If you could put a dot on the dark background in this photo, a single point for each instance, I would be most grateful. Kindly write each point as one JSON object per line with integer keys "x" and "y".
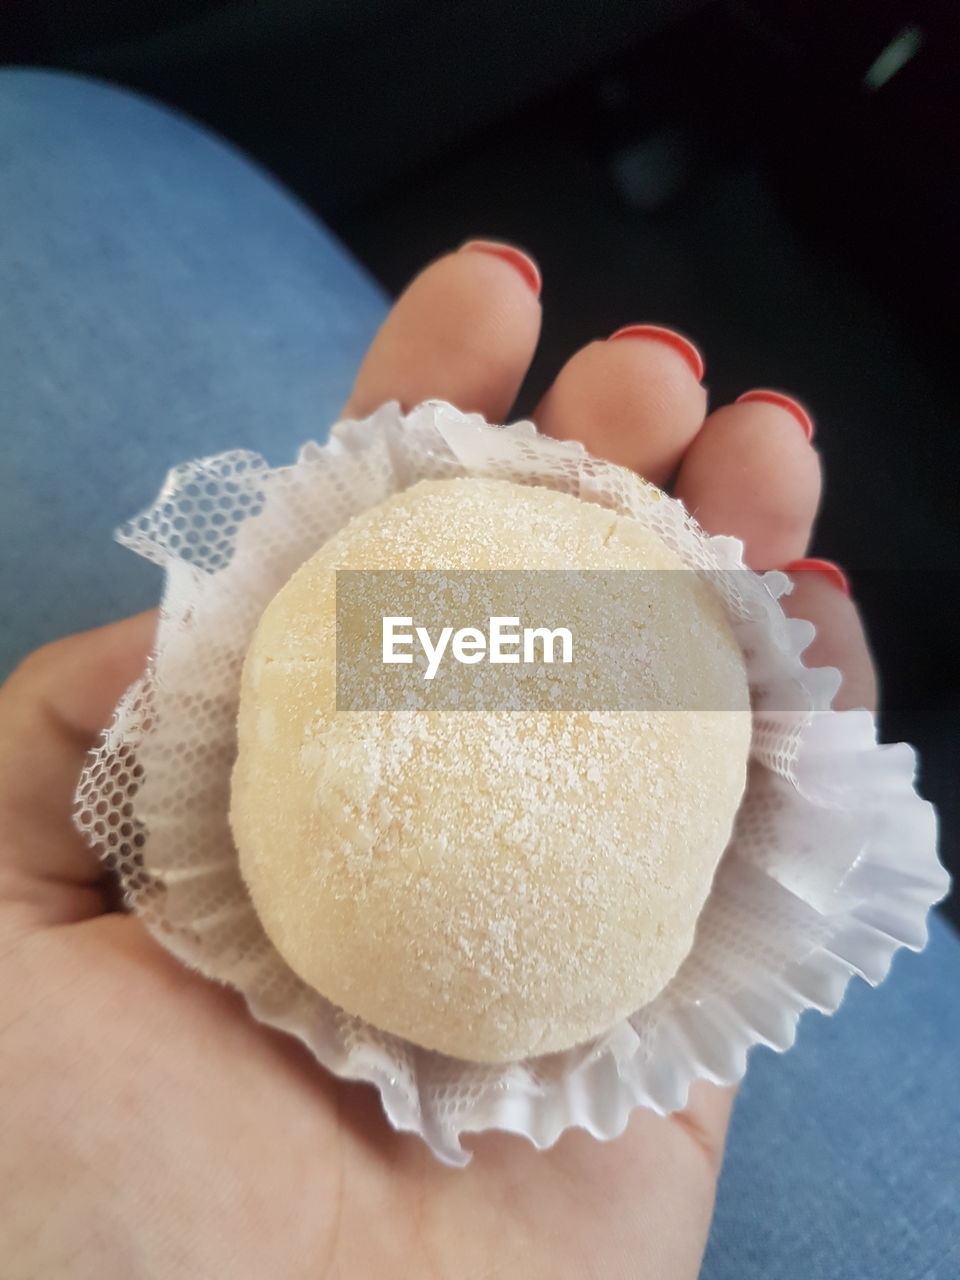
{"x": 732, "y": 169}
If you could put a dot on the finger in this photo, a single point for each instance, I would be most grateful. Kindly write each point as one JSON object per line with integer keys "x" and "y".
{"x": 52, "y": 709}
{"x": 464, "y": 331}
{"x": 821, "y": 595}
{"x": 751, "y": 472}
{"x": 635, "y": 399}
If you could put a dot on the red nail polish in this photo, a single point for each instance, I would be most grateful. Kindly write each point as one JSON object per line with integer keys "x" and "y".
{"x": 519, "y": 260}
{"x": 683, "y": 346}
{"x": 826, "y": 567}
{"x": 784, "y": 402}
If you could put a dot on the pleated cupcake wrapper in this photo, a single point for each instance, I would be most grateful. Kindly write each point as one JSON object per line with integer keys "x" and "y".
{"x": 831, "y": 868}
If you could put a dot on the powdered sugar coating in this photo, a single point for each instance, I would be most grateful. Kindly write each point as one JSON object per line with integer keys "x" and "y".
{"x": 491, "y": 884}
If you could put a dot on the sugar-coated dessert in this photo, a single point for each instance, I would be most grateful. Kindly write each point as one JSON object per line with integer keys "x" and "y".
{"x": 489, "y": 884}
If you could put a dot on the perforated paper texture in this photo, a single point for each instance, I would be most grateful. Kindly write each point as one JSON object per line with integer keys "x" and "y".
{"x": 832, "y": 865}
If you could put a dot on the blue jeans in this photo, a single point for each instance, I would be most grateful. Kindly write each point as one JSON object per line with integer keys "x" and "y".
{"x": 161, "y": 298}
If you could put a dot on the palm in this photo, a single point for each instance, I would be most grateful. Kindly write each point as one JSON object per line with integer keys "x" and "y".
{"x": 222, "y": 1143}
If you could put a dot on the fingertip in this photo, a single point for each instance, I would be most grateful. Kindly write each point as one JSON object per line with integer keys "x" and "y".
{"x": 464, "y": 330}
{"x": 840, "y": 641}
{"x": 832, "y": 572}
{"x": 764, "y": 395}
{"x": 634, "y": 401}
{"x": 752, "y": 474}
{"x": 515, "y": 257}
{"x": 677, "y": 342}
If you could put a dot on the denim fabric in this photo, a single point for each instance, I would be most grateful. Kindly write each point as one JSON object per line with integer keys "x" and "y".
{"x": 162, "y": 299}
{"x": 843, "y": 1160}
{"x": 159, "y": 300}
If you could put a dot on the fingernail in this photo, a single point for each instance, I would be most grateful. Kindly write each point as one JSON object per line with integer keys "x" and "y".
{"x": 519, "y": 260}
{"x": 826, "y": 567}
{"x": 659, "y": 334}
{"x": 785, "y": 402}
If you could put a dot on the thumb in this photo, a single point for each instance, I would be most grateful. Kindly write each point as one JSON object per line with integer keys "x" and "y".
{"x": 52, "y": 710}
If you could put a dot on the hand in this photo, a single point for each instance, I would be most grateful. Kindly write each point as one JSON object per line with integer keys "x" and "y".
{"x": 152, "y": 1129}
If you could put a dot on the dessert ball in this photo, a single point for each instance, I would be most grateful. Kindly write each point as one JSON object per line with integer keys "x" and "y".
{"x": 492, "y": 883}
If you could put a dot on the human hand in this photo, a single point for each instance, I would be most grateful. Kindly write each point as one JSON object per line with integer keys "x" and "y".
{"x": 153, "y": 1129}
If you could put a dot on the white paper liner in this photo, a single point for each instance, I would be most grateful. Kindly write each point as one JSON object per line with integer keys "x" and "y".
{"x": 831, "y": 868}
